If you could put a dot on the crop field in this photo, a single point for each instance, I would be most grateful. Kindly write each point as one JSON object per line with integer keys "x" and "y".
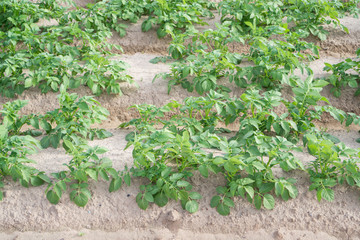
{"x": 180, "y": 119}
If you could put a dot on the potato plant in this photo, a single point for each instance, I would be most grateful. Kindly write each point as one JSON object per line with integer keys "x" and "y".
{"x": 166, "y": 17}
{"x": 179, "y": 146}
{"x": 204, "y": 57}
{"x": 71, "y": 51}
{"x": 345, "y": 73}
{"x": 69, "y": 126}
{"x": 84, "y": 166}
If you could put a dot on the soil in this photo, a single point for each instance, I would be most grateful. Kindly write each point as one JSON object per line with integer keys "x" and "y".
{"x": 25, "y": 213}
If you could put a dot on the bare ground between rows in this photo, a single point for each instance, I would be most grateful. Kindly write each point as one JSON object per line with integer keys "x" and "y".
{"x": 26, "y": 213}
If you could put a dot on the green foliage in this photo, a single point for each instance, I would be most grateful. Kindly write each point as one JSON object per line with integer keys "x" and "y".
{"x": 310, "y": 15}
{"x": 182, "y": 141}
{"x": 14, "y": 159}
{"x": 175, "y": 140}
{"x": 166, "y": 17}
{"x": 15, "y": 149}
{"x": 334, "y": 164}
{"x": 242, "y": 13}
{"x": 85, "y": 165}
{"x": 345, "y": 73}
{"x": 72, "y": 120}
{"x": 348, "y": 7}
{"x": 70, "y": 51}
{"x": 70, "y": 123}
{"x": 207, "y": 59}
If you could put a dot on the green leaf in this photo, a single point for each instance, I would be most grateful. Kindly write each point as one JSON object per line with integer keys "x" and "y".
{"x": 92, "y": 173}
{"x": 7, "y": 71}
{"x": 45, "y": 125}
{"x": 45, "y": 142}
{"x": 319, "y": 195}
{"x": 55, "y": 140}
{"x": 195, "y": 195}
{"x": 228, "y": 202}
{"x": 166, "y": 172}
{"x": 203, "y": 171}
{"x": 327, "y": 194}
{"x": 104, "y": 175}
{"x": 83, "y": 106}
{"x": 279, "y": 188}
{"x": 182, "y": 183}
{"x": 127, "y": 179}
{"x": 36, "y": 181}
{"x": 142, "y": 203}
{"x": 257, "y": 201}
{"x": 268, "y": 201}
{"x": 254, "y": 152}
{"x": 69, "y": 145}
{"x": 249, "y": 190}
{"x": 28, "y": 82}
{"x": 115, "y": 184}
{"x": 215, "y": 201}
{"x": 266, "y": 187}
{"x": 52, "y": 197}
{"x": 223, "y": 209}
{"x": 332, "y": 138}
{"x": 34, "y": 122}
{"x": 161, "y": 199}
{"x": 221, "y": 190}
{"x": 259, "y": 166}
{"x": 79, "y": 198}
{"x": 353, "y": 84}
{"x": 146, "y": 26}
{"x": 149, "y": 197}
{"x": 192, "y": 206}
{"x": 3, "y": 132}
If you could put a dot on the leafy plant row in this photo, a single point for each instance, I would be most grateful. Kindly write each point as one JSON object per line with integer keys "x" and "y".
{"x": 206, "y": 61}
{"x": 165, "y": 16}
{"x": 345, "y": 73}
{"x": 69, "y": 126}
{"x": 177, "y": 16}
{"x": 276, "y": 48}
{"x": 71, "y": 51}
{"x": 75, "y": 52}
{"x": 168, "y": 152}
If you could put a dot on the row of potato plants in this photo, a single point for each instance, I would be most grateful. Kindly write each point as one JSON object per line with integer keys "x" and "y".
{"x": 68, "y": 126}
{"x": 70, "y": 51}
{"x": 75, "y": 51}
{"x": 169, "y": 156}
{"x": 169, "y": 151}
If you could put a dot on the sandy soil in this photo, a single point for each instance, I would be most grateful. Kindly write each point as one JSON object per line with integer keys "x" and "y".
{"x": 26, "y": 213}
